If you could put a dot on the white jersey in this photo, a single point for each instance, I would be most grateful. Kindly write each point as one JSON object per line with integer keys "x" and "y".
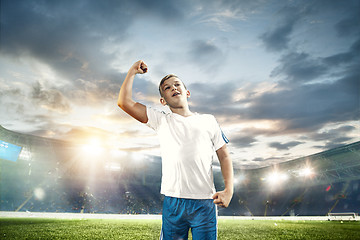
{"x": 187, "y": 148}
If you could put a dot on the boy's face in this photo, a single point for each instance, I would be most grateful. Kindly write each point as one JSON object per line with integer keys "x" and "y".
{"x": 174, "y": 93}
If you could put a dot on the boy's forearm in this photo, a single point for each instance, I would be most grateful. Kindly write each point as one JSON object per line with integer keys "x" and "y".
{"x": 125, "y": 100}
{"x": 125, "y": 94}
{"x": 228, "y": 174}
{"x": 226, "y": 168}
{"x": 223, "y": 198}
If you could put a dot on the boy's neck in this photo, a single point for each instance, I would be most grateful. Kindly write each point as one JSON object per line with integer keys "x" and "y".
{"x": 185, "y": 112}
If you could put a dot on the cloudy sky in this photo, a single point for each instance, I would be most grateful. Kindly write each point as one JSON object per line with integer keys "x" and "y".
{"x": 281, "y": 77}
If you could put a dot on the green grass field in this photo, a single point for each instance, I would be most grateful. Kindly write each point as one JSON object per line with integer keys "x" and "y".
{"x": 42, "y": 228}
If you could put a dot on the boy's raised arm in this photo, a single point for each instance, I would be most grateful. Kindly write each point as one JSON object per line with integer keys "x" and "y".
{"x": 125, "y": 100}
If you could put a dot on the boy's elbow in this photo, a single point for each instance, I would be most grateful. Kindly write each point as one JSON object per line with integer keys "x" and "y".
{"x": 124, "y": 105}
{"x": 120, "y": 104}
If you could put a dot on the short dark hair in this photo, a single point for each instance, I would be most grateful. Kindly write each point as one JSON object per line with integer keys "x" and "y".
{"x": 166, "y": 78}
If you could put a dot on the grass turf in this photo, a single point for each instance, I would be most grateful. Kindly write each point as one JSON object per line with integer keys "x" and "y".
{"x": 40, "y": 228}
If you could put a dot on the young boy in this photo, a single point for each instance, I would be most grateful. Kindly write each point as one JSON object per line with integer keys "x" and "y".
{"x": 187, "y": 141}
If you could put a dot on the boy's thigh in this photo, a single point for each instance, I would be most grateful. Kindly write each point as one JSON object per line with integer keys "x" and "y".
{"x": 174, "y": 233}
{"x": 179, "y": 215}
{"x": 203, "y": 233}
{"x": 204, "y": 222}
{"x": 171, "y": 229}
{"x": 174, "y": 221}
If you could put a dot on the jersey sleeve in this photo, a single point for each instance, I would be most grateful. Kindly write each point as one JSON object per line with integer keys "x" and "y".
{"x": 219, "y": 138}
{"x": 154, "y": 118}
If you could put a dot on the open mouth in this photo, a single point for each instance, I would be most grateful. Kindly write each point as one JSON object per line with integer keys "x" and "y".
{"x": 175, "y": 94}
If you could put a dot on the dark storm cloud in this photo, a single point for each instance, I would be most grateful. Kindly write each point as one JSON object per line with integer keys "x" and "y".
{"x": 242, "y": 141}
{"x": 278, "y": 38}
{"x": 349, "y": 57}
{"x": 66, "y": 35}
{"x": 266, "y": 161}
{"x": 204, "y": 49}
{"x": 349, "y": 25}
{"x": 47, "y": 27}
{"x": 259, "y": 159}
{"x": 69, "y": 35}
{"x": 334, "y": 142}
{"x": 332, "y": 135}
{"x": 284, "y": 146}
{"x": 273, "y": 160}
{"x": 168, "y": 11}
{"x": 305, "y": 106}
{"x": 338, "y": 142}
{"x": 299, "y": 67}
{"x": 211, "y": 98}
{"x": 306, "y": 101}
{"x": 206, "y": 55}
{"x": 309, "y": 107}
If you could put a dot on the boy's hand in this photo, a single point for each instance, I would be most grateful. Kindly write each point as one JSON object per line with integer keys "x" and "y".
{"x": 222, "y": 198}
{"x": 139, "y": 67}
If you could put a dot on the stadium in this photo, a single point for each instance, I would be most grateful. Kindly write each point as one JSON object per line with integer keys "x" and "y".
{"x": 41, "y": 175}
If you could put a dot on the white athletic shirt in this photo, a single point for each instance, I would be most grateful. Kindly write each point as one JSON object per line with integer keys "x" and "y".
{"x": 187, "y": 148}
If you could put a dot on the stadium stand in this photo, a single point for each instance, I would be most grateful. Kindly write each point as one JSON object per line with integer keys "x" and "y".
{"x": 54, "y": 176}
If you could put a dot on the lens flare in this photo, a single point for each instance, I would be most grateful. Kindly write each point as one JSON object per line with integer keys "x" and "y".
{"x": 39, "y": 194}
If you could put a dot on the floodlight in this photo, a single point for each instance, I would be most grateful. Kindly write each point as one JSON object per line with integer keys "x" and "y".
{"x": 39, "y": 193}
{"x": 276, "y": 178}
{"x": 306, "y": 172}
{"x": 239, "y": 179}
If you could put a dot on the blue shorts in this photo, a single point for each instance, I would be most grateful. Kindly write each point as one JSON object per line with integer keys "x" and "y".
{"x": 180, "y": 215}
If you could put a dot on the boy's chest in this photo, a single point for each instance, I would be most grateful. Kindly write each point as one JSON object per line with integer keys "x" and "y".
{"x": 186, "y": 130}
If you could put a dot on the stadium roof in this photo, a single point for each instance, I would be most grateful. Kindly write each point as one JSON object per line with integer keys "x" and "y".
{"x": 335, "y": 165}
